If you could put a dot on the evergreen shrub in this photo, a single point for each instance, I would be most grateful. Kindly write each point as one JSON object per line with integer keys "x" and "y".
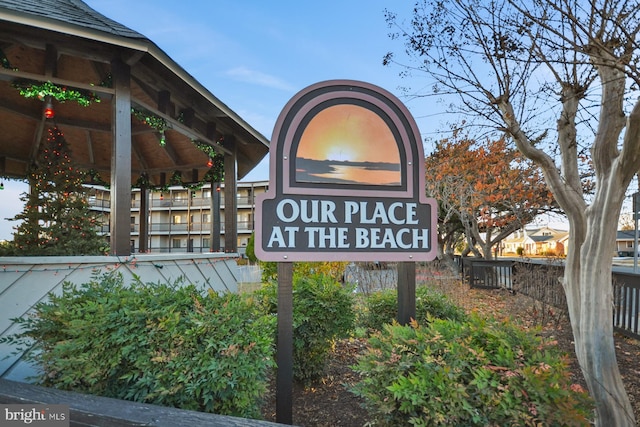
{"x": 156, "y": 343}
{"x": 381, "y": 308}
{"x": 323, "y": 311}
{"x": 468, "y": 373}
{"x": 332, "y": 269}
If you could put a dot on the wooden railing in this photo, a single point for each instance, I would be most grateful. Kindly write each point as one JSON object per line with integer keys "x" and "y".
{"x": 539, "y": 280}
{"x": 488, "y": 274}
{"x": 87, "y": 410}
{"x": 626, "y": 303}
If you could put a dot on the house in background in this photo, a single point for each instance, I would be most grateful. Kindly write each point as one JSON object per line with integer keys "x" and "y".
{"x": 625, "y": 240}
{"x": 538, "y": 242}
{"x": 546, "y": 241}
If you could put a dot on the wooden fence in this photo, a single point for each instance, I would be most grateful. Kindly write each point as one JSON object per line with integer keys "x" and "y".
{"x": 540, "y": 280}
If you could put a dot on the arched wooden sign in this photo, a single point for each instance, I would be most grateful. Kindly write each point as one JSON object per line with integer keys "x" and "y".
{"x": 346, "y": 180}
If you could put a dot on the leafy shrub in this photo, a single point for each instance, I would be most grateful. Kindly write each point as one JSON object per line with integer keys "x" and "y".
{"x": 381, "y": 308}
{"x": 250, "y": 250}
{"x": 154, "y": 343}
{"x": 322, "y": 312}
{"x": 470, "y": 373}
{"x": 333, "y": 269}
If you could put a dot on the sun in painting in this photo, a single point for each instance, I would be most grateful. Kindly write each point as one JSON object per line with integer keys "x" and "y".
{"x": 349, "y": 144}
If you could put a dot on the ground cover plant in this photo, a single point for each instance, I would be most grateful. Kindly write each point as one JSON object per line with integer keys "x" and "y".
{"x": 155, "y": 343}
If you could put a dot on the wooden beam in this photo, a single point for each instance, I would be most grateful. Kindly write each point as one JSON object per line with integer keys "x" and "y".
{"x": 139, "y": 156}
{"x": 230, "y": 196}
{"x": 164, "y": 102}
{"x": 211, "y": 131}
{"x": 181, "y": 128}
{"x": 121, "y": 161}
{"x": 29, "y": 113}
{"x": 92, "y": 159}
{"x": 11, "y": 75}
{"x": 187, "y": 117}
{"x": 37, "y": 140}
{"x": 50, "y": 61}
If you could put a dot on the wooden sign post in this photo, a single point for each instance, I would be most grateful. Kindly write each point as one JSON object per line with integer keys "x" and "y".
{"x": 284, "y": 351}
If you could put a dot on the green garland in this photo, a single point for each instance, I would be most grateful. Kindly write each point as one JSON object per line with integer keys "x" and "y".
{"x": 142, "y": 181}
{"x": 93, "y": 176}
{"x": 216, "y": 171}
{"x": 158, "y": 123}
{"x": 33, "y": 89}
{"x": 207, "y": 149}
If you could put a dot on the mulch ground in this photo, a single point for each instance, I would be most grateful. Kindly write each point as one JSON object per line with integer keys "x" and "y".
{"x": 329, "y": 403}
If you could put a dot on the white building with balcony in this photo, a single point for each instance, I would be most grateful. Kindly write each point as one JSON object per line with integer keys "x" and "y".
{"x": 184, "y": 219}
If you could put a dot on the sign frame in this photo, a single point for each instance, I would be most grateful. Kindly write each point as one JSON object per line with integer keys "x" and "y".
{"x": 302, "y": 217}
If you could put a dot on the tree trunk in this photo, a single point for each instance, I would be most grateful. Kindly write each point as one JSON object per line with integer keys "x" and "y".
{"x": 589, "y": 293}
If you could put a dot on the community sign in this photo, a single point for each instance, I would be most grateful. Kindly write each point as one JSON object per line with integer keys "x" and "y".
{"x": 346, "y": 180}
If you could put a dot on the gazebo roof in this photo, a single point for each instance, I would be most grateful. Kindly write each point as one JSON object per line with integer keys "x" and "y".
{"x": 67, "y": 43}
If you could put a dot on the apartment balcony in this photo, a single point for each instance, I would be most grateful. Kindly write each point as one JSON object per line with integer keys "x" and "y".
{"x": 99, "y": 204}
{"x": 182, "y": 203}
{"x": 183, "y": 229}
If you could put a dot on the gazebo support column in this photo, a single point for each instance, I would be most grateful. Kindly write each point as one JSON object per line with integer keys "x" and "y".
{"x": 121, "y": 160}
{"x": 230, "y": 195}
{"x": 144, "y": 220}
{"x": 214, "y": 241}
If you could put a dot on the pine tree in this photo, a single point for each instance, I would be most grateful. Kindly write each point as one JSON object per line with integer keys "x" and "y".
{"x": 56, "y": 219}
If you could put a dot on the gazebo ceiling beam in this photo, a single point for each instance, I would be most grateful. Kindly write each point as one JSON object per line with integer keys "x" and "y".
{"x": 134, "y": 171}
{"x": 12, "y": 75}
{"x": 37, "y": 139}
{"x": 138, "y": 154}
{"x": 92, "y": 158}
{"x": 168, "y": 148}
{"x": 50, "y": 61}
{"x": 37, "y": 116}
{"x": 181, "y": 128}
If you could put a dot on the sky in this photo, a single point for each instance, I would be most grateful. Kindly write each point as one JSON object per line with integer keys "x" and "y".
{"x": 255, "y": 55}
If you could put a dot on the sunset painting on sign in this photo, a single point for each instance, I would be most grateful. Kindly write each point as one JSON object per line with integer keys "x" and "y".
{"x": 348, "y": 144}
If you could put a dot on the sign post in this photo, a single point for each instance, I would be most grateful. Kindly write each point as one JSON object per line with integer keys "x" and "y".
{"x": 346, "y": 183}
{"x": 284, "y": 354}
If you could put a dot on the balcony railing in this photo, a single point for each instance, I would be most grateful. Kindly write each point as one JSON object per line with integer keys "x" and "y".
{"x": 182, "y": 203}
{"x": 182, "y": 228}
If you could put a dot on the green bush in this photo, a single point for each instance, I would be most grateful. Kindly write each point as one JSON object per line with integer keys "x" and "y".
{"x": 381, "y": 308}
{"x": 250, "y": 250}
{"x": 322, "y": 312}
{"x": 154, "y": 343}
{"x": 470, "y": 373}
{"x": 332, "y": 269}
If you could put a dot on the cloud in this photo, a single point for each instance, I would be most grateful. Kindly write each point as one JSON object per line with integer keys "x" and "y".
{"x": 247, "y": 75}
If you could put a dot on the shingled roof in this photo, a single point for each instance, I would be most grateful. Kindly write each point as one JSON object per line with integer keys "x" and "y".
{"x": 74, "y": 12}
{"x": 70, "y": 44}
